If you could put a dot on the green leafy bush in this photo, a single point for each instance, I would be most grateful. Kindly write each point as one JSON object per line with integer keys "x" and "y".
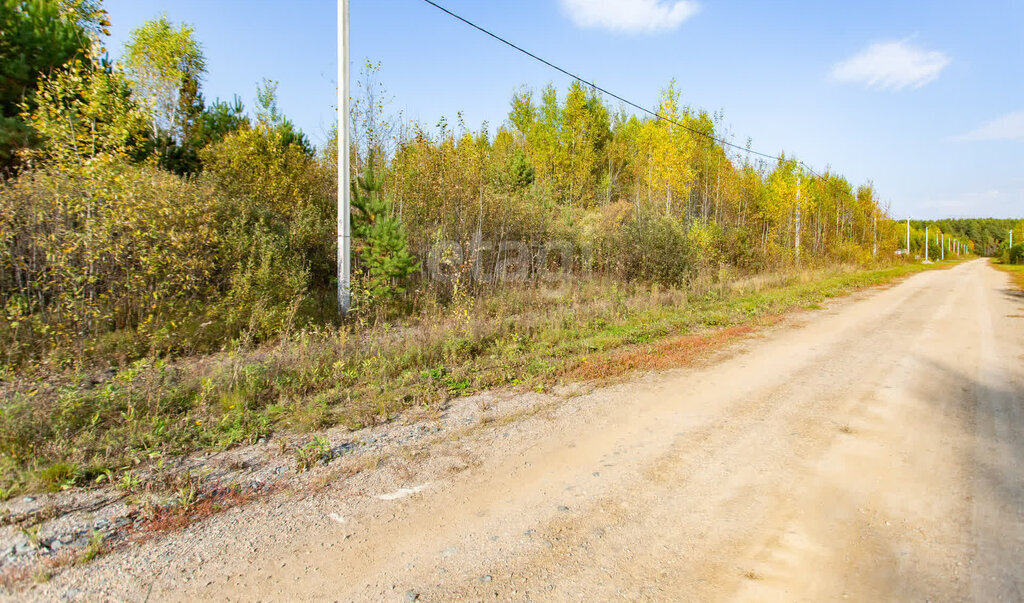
{"x": 1015, "y": 254}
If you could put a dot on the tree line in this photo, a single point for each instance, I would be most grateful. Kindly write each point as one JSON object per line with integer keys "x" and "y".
{"x": 139, "y": 217}
{"x": 989, "y": 236}
{"x": 637, "y": 197}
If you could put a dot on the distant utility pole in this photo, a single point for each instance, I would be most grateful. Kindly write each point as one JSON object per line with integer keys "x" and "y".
{"x": 926, "y": 243}
{"x": 344, "y": 224}
{"x": 874, "y": 234}
{"x": 943, "y": 247}
{"x": 908, "y": 237}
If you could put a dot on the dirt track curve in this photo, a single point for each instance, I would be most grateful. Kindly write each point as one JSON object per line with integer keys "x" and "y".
{"x": 871, "y": 451}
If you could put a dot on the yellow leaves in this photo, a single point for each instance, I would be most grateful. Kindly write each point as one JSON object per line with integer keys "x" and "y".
{"x": 126, "y": 243}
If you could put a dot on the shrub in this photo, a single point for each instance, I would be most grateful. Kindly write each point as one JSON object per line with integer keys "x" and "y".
{"x": 267, "y": 285}
{"x": 278, "y": 229}
{"x": 104, "y": 248}
{"x": 647, "y": 245}
{"x": 118, "y": 260}
{"x": 1015, "y": 255}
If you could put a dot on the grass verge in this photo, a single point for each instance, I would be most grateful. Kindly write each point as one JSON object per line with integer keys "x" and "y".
{"x": 62, "y": 431}
{"x": 1016, "y": 272}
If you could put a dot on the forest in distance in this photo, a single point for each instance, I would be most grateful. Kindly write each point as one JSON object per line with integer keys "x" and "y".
{"x": 141, "y": 222}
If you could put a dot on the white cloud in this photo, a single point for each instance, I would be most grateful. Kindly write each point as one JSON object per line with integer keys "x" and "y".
{"x": 892, "y": 65}
{"x": 1004, "y": 127}
{"x": 630, "y": 16}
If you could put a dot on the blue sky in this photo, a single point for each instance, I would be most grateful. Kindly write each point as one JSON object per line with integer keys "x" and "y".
{"x": 925, "y": 99}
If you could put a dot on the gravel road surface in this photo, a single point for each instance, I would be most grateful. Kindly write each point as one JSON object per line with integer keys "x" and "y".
{"x": 873, "y": 450}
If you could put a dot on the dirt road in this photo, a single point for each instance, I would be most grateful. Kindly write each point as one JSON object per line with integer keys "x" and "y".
{"x": 871, "y": 451}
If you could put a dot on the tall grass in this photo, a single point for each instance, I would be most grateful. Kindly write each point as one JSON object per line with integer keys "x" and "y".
{"x": 77, "y": 428}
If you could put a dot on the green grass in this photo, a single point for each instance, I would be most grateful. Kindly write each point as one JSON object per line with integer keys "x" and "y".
{"x": 1016, "y": 273}
{"x": 62, "y": 430}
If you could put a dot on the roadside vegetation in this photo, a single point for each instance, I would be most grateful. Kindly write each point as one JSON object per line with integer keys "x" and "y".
{"x": 1011, "y": 256}
{"x": 167, "y": 262}
{"x": 77, "y": 429}
{"x": 1016, "y": 273}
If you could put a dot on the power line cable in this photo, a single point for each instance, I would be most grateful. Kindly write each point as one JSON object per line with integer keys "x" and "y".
{"x": 626, "y": 101}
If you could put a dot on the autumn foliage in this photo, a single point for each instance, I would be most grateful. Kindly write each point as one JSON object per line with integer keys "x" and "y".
{"x": 143, "y": 220}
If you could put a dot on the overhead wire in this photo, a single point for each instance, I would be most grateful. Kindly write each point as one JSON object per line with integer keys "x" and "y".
{"x": 609, "y": 93}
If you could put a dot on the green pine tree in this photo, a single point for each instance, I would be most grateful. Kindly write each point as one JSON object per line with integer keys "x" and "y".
{"x": 382, "y": 246}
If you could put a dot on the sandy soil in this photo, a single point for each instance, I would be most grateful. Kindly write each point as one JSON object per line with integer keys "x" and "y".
{"x": 871, "y": 451}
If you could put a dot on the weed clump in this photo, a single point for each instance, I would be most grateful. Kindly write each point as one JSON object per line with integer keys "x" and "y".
{"x": 316, "y": 452}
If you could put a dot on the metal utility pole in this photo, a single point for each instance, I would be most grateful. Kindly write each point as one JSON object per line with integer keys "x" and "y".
{"x": 926, "y": 243}
{"x": 344, "y": 223}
